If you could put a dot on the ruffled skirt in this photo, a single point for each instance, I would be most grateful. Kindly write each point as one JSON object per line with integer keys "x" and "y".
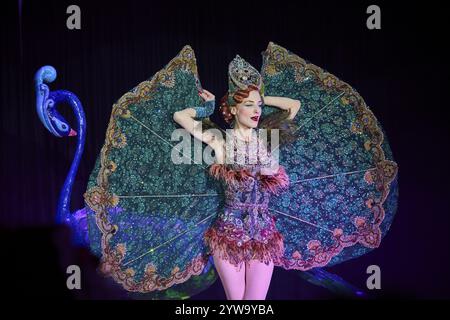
{"x": 238, "y": 238}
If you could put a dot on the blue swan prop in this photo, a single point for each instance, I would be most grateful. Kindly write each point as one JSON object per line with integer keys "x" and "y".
{"x": 46, "y": 103}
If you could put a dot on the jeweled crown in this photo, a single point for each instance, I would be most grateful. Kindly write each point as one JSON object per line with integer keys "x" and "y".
{"x": 241, "y": 74}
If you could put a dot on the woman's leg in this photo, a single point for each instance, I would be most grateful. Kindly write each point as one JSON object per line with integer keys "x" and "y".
{"x": 258, "y": 276}
{"x": 233, "y": 278}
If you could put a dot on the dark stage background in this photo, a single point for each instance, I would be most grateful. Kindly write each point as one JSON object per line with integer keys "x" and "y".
{"x": 400, "y": 70}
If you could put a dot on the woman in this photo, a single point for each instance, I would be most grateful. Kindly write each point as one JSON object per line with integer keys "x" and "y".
{"x": 244, "y": 262}
{"x": 159, "y": 225}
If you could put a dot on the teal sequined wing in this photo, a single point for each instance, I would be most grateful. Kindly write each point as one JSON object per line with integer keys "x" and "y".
{"x": 150, "y": 213}
{"x": 343, "y": 192}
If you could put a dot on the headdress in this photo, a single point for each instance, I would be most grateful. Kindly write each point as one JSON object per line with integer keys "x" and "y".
{"x": 241, "y": 74}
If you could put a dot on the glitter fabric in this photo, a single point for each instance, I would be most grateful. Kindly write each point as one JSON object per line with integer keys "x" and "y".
{"x": 150, "y": 219}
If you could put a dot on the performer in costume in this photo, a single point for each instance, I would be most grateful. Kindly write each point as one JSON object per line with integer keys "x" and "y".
{"x": 244, "y": 239}
{"x": 159, "y": 226}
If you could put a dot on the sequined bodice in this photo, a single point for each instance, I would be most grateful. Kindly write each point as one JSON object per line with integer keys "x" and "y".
{"x": 241, "y": 154}
{"x": 248, "y": 189}
{"x": 242, "y": 177}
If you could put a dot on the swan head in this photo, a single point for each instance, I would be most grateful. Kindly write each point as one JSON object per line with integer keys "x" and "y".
{"x": 59, "y": 125}
{"x": 46, "y": 106}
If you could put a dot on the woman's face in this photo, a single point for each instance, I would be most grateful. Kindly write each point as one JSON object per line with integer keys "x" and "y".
{"x": 248, "y": 112}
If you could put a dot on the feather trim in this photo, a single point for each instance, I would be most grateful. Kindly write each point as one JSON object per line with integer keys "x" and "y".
{"x": 275, "y": 183}
{"x": 230, "y": 176}
{"x": 229, "y": 250}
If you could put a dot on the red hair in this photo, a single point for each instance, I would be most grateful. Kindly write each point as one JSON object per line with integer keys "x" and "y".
{"x": 275, "y": 120}
{"x": 238, "y": 97}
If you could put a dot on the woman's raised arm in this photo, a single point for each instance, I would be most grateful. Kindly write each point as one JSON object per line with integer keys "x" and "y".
{"x": 185, "y": 118}
{"x": 284, "y": 103}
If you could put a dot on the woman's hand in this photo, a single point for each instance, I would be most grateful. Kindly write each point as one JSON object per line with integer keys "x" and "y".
{"x": 293, "y": 106}
{"x": 206, "y": 95}
{"x": 185, "y": 118}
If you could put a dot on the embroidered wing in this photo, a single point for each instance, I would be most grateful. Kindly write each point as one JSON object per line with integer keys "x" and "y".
{"x": 343, "y": 179}
{"x": 149, "y": 213}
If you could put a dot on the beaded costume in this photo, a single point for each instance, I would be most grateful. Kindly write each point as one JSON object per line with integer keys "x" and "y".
{"x": 154, "y": 223}
{"x": 245, "y": 229}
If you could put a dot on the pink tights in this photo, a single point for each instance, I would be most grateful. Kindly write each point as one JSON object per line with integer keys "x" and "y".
{"x": 250, "y": 282}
